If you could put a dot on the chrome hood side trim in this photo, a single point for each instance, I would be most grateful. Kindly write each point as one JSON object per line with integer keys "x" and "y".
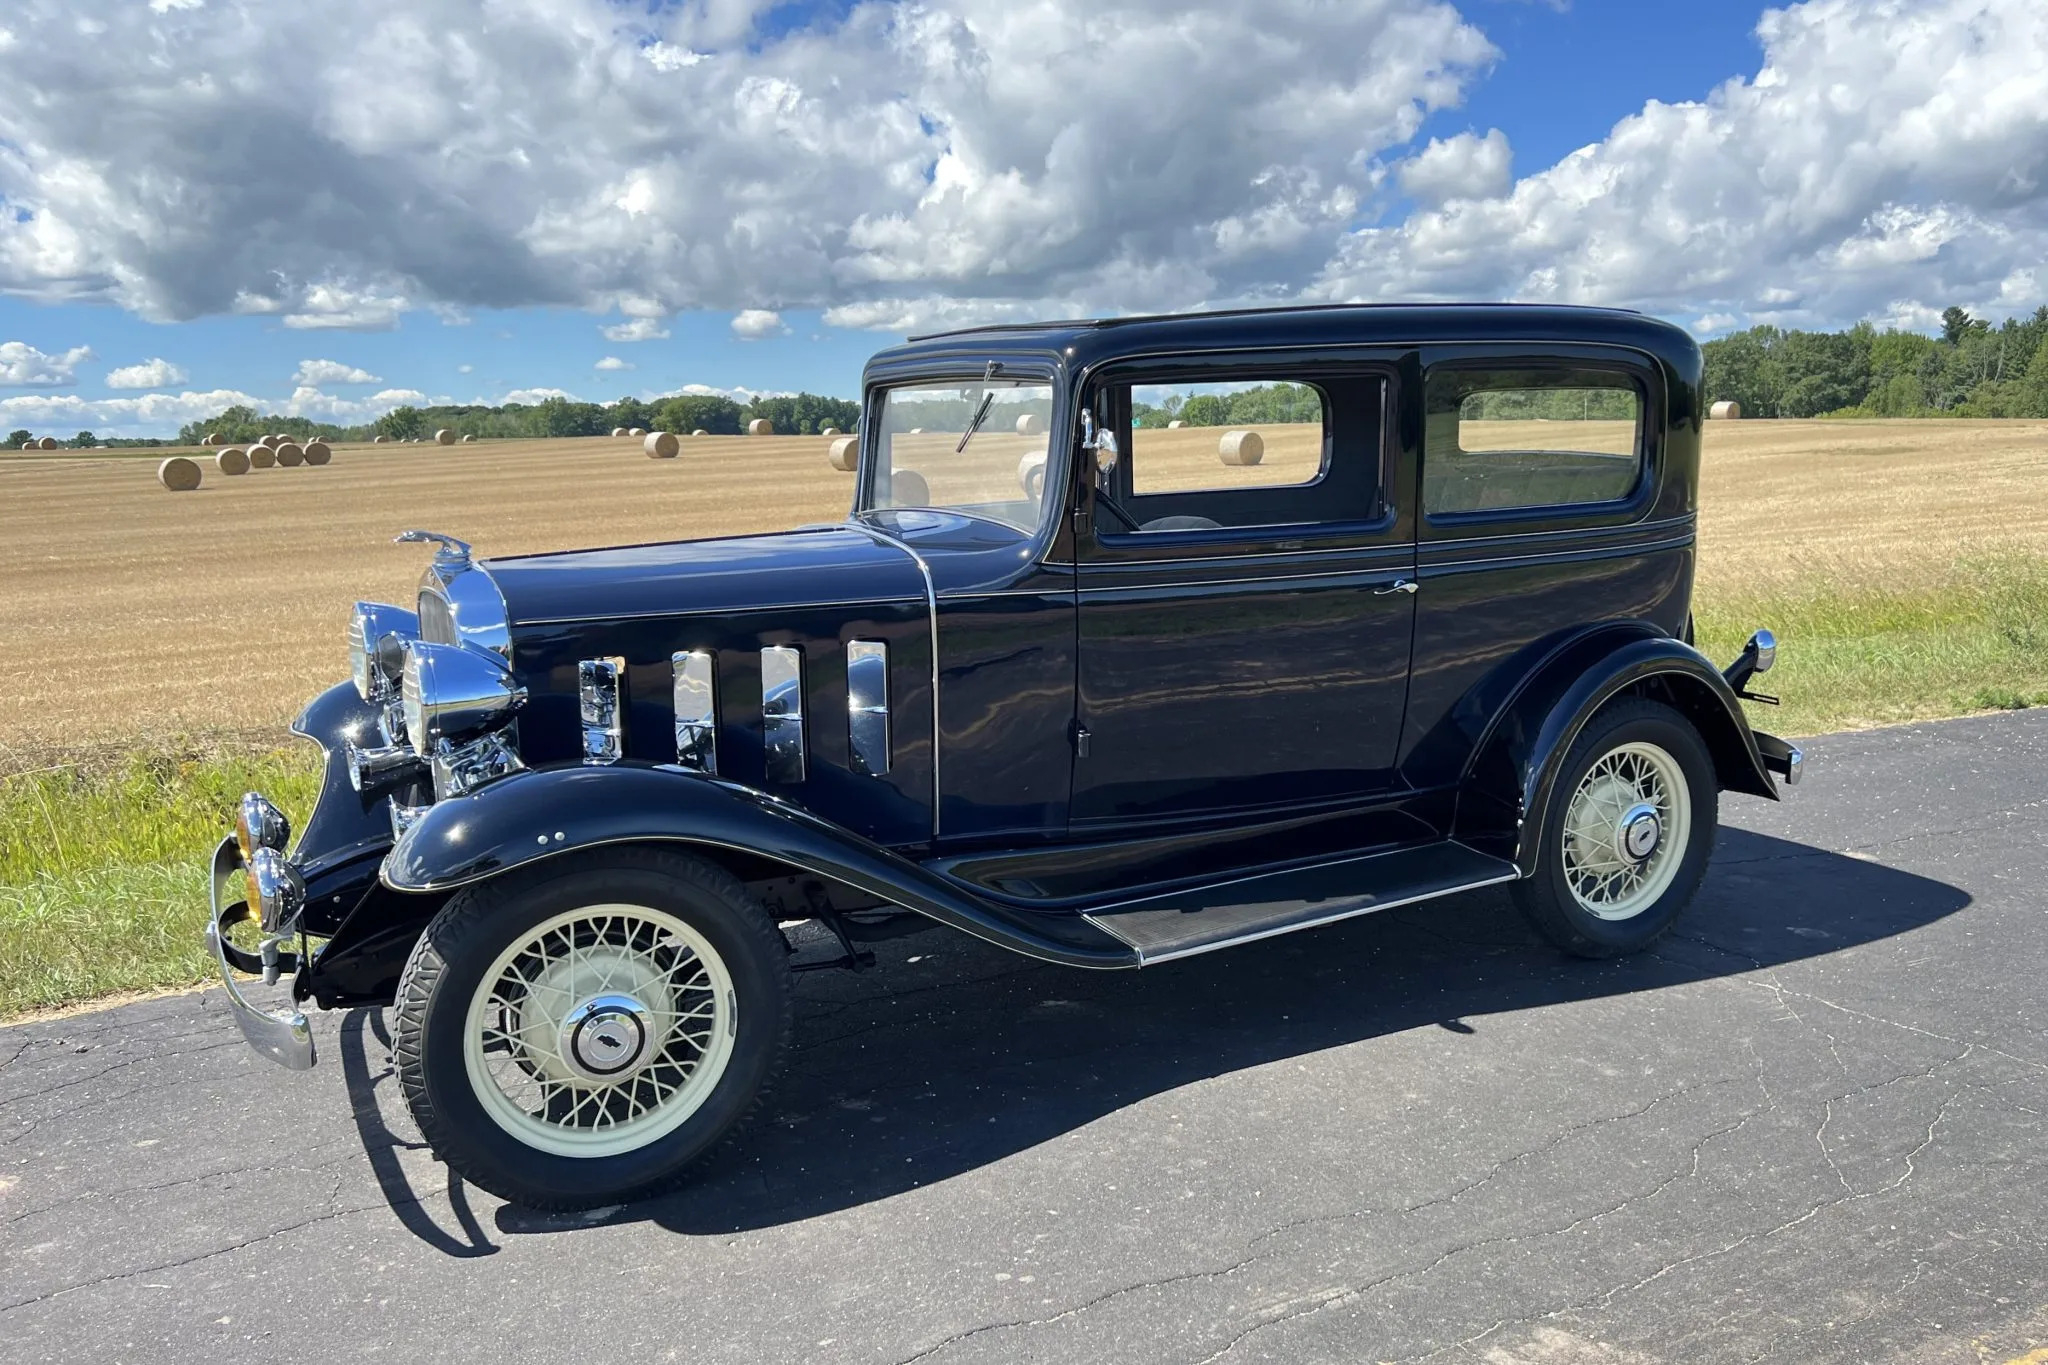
{"x": 931, "y": 602}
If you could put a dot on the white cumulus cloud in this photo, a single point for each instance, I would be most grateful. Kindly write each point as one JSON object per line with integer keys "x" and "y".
{"x": 529, "y": 397}
{"x": 312, "y": 373}
{"x": 22, "y": 365}
{"x": 1461, "y": 167}
{"x": 758, "y": 324}
{"x": 155, "y": 373}
{"x": 1890, "y": 158}
{"x": 574, "y": 152}
{"x": 612, "y": 362}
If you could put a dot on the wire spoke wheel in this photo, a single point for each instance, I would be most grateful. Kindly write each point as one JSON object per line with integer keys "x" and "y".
{"x": 1626, "y": 830}
{"x": 600, "y": 1030}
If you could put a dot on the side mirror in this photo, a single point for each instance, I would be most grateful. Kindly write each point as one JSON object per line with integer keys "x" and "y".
{"x": 1102, "y": 441}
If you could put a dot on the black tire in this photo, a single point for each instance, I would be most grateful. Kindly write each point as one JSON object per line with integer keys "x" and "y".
{"x": 1547, "y": 897}
{"x": 478, "y": 924}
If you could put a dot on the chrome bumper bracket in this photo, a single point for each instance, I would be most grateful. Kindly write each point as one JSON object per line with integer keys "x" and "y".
{"x": 282, "y": 1035}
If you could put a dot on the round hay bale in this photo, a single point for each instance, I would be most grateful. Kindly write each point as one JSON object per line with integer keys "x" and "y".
{"x": 378, "y": 440}
{"x": 261, "y": 456}
{"x": 915, "y": 431}
{"x": 845, "y": 453}
{"x": 618, "y": 431}
{"x": 290, "y": 454}
{"x": 178, "y": 474}
{"x": 1175, "y": 425}
{"x": 1241, "y": 447}
{"x": 829, "y": 431}
{"x": 212, "y": 440}
{"x": 636, "y": 432}
{"x": 444, "y": 437}
{"x": 1030, "y": 424}
{"x": 1727, "y": 410}
{"x": 469, "y": 440}
{"x": 700, "y": 432}
{"x": 232, "y": 460}
{"x": 1031, "y": 473}
{"x": 760, "y": 426}
{"x": 47, "y": 443}
{"x": 30, "y": 444}
{"x": 659, "y": 445}
{"x": 318, "y": 452}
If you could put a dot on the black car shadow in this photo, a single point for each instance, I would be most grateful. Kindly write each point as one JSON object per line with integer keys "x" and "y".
{"x": 951, "y": 1055}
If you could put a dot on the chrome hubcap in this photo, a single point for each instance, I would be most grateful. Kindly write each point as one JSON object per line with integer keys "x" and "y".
{"x": 607, "y": 1035}
{"x": 1639, "y": 832}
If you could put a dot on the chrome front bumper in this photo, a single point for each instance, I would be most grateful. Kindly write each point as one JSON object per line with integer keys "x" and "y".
{"x": 282, "y": 1035}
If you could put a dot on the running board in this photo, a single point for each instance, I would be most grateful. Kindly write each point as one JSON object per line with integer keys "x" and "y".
{"x": 1196, "y": 920}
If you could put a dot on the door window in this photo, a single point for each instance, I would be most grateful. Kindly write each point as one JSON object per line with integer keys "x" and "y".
{"x": 1253, "y": 450}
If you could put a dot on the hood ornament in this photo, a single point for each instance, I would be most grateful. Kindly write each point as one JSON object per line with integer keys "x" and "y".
{"x": 450, "y": 554}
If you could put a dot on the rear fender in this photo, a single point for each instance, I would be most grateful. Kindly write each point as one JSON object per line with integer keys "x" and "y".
{"x": 532, "y": 816}
{"x": 1508, "y": 786}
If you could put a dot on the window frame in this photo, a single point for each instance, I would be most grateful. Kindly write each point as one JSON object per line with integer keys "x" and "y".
{"x": 1642, "y": 375}
{"x": 1319, "y": 368}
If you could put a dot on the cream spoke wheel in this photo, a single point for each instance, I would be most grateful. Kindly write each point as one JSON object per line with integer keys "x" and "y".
{"x": 1626, "y": 830}
{"x": 600, "y": 1030}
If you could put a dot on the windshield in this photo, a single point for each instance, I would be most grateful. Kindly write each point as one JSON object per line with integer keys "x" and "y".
{"x": 998, "y": 473}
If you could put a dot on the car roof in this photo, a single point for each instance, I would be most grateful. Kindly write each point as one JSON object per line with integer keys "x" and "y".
{"x": 1084, "y": 341}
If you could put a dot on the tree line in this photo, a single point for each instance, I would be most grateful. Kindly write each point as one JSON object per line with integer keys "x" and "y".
{"x": 799, "y": 414}
{"x": 1971, "y": 370}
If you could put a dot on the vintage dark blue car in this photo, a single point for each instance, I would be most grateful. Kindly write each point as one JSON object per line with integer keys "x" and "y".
{"x": 1144, "y": 637}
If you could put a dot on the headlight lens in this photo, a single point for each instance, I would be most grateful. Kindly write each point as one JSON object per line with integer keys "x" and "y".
{"x": 371, "y": 663}
{"x": 453, "y": 693}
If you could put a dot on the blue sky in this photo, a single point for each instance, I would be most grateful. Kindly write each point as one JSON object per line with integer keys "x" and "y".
{"x": 754, "y": 196}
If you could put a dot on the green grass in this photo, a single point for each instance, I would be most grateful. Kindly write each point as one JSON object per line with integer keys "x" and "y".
{"x": 1853, "y": 655}
{"x": 103, "y": 871}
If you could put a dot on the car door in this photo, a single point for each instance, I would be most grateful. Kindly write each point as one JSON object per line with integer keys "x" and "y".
{"x": 1246, "y": 591}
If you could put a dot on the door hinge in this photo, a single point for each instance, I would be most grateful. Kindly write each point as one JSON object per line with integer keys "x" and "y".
{"x": 1081, "y": 738}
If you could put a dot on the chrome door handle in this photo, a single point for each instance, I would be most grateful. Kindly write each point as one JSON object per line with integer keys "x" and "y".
{"x": 1399, "y": 585}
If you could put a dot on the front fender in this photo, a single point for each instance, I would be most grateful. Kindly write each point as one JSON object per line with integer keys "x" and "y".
{"x": 530, "y": 816}
{"x": 347, "y": 834}
{"x": 1515, "y": 768}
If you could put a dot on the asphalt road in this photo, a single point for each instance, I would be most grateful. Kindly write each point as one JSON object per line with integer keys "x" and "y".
{"x": 1807, "y": 1128}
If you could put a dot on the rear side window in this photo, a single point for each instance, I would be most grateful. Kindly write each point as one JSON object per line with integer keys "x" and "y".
{"x": 1504, "y": 439}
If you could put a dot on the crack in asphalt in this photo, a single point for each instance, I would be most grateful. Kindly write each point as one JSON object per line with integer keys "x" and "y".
{"x": 1555, "y": 1141}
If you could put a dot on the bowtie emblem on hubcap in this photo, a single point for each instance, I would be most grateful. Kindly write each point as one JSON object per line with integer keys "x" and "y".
{"x": 1639, "y": 832}
{"x": 607, "y": 1035}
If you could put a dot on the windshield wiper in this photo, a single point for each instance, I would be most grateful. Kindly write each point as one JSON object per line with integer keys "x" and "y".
{"x": 988, "y": 399}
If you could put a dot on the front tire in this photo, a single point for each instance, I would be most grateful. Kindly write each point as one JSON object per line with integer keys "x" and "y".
{"x": 1627, "y": 833}
{"x": 585, "y": 1032}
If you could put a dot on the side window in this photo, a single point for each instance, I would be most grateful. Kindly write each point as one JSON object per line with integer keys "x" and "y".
{"x": 1190, "y": 438}
{"x": 1258, "y": 449}
{"x": 1501, "y": 439}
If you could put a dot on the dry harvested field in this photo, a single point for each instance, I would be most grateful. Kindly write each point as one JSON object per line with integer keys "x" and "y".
{"x": 131, "y": 614}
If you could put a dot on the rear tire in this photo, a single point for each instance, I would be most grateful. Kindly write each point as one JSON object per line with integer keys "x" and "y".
{"x": 1627, "y": 834}
{"x": 585, "y": 1032}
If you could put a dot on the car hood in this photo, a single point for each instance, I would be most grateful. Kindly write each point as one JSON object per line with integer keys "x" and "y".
{"x": 810, "y": 567}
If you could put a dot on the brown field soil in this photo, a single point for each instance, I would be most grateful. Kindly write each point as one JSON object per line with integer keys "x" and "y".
{"x": 132, "y": 616}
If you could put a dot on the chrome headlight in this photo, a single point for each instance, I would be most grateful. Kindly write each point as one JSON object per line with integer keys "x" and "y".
{"x": 375, "y": 633}
{"x": 277, "y": 892}
{"x": 453, "y": 693}
{"x": 259, "y": 825}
